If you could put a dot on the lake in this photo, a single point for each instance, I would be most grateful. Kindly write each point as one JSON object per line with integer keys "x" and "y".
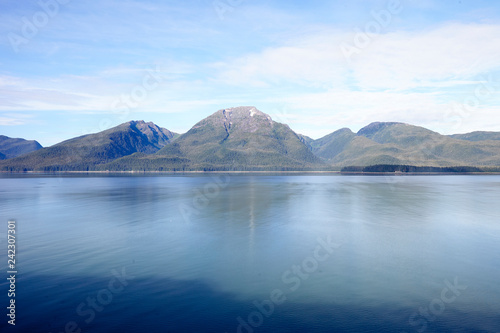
{"x": 252, "y": 253}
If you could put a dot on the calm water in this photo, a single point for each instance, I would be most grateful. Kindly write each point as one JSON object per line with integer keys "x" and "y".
{"x": 253, "y": 253}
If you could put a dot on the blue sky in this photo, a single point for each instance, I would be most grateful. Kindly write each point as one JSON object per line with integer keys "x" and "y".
{"x": 71, "y": 67}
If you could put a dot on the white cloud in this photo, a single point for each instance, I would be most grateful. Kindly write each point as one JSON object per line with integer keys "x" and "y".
{"x": 413, "y": 77}
{"x": 396, "y": 60}
{"x": 14, "y": 119}
{"x": 4, "y": 121}
{"x": 316, "y": 62}
{"x": 331, "y": 110}
{"x": 406, "y": 60}
{"x": 409, "y": 76}
{"x": 95, "y": 92}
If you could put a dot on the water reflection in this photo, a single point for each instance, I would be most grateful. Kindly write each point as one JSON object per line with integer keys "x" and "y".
{"x": 401, "y": 240}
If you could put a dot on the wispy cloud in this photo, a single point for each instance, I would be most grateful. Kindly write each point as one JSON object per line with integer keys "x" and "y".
{"x": 14, "y": 119}
{"x": 445, "y": 56}
{"x": 266, "y": 54}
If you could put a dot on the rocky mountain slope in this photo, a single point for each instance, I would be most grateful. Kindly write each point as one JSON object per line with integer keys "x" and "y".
{"x": 241, "y": 138}
{"x": 88, "y": 151}
{"x": 13, "y": 147}
{"x": 246, "y": 139}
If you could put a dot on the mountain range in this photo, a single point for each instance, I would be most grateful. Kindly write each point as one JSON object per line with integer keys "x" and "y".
{"x": 246, "y": 139}
{"x": 87, "y": 152}
{"x": 13, "y": 147}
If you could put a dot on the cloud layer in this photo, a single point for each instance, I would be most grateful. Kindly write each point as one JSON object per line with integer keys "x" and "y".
{"x": 442, "y": 74}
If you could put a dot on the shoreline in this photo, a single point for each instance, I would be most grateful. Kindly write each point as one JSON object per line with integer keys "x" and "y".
{"x": 157, "y": 172}
{"x": 344, "y": 173}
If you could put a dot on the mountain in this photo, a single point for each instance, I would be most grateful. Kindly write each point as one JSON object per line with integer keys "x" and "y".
{"x": 332, "y": 144}
{"x": 399, "y": 143}
{"x": 306, "y": 140}
{"x": 477, "y": 136}
{"x": 246, "y": 139}
{"x": 11, "y": 147}
{"x": 86, "y": 152}
{"x": 240, "y": 138}
{"x": 400, "y": 134}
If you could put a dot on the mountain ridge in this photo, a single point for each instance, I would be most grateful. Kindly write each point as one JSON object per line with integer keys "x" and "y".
{"x": 87, "y": 151}
{"x": 405, "y": 144}
{"x": 242, "y": 138}
{"x": 246, "y": 139}
{"x": 13, "y": 147}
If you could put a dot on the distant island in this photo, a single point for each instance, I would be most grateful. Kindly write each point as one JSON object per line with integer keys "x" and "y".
{"x": 246, "y": 139}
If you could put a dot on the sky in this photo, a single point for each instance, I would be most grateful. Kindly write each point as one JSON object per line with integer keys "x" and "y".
{"x": 69, "y": 67}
